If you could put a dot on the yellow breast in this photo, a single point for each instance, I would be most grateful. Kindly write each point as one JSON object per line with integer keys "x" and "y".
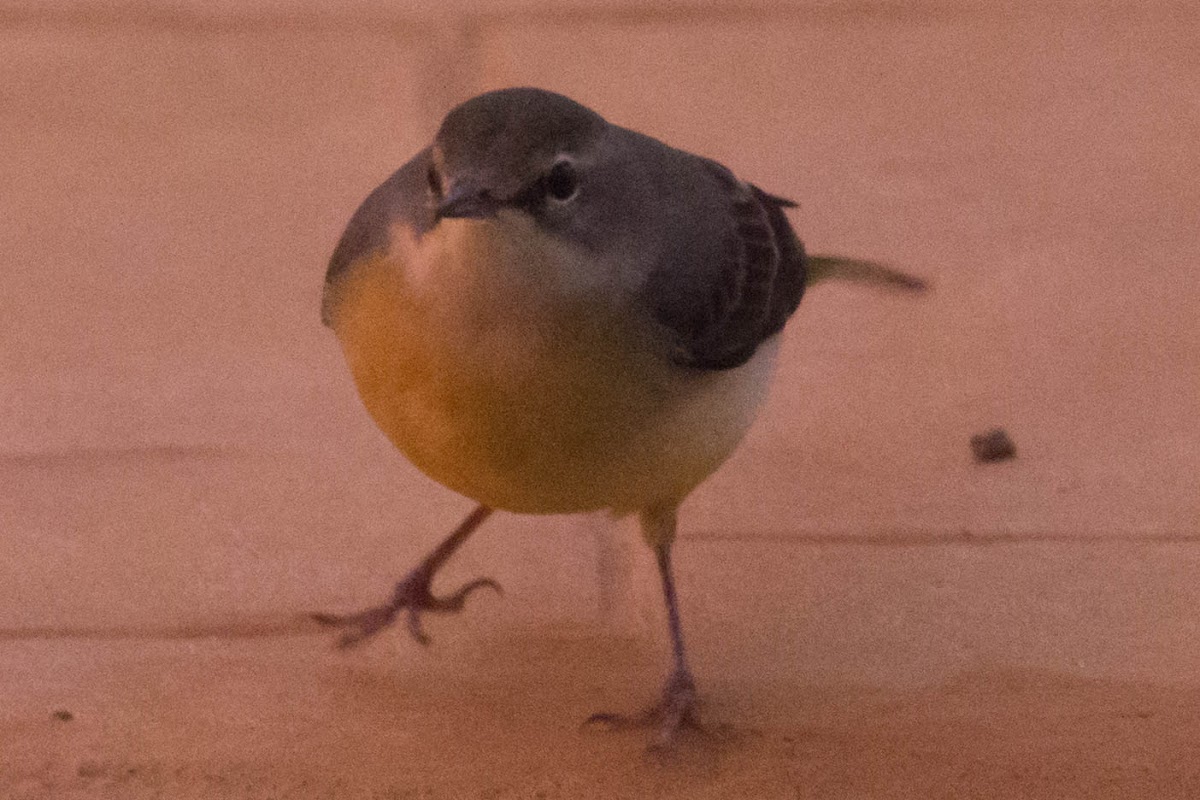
{"x": 499, "y": 378}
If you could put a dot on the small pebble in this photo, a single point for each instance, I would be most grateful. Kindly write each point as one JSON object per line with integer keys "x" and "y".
{"x": 62, "y": 715}
{"x": 995, "y": 445}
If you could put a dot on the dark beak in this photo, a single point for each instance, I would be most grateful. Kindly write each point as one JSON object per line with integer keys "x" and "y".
{"x": 467, "y": 202}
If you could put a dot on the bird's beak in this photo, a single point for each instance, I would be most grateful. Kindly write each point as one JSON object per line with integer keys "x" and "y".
{"x": 464, "y": 201}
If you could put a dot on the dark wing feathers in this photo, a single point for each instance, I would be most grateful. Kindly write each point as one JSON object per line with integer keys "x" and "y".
{"x": 791, "y": 275}
{"x": 747, "y": 294}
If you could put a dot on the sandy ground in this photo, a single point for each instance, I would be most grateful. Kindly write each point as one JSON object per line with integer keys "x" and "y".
{"x": 287, "y": 718}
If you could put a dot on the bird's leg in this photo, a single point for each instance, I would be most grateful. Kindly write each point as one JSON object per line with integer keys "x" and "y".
{"x": 677, "y": 708}
{"x": 679, "y": 701}
{"x": 413, "y": 592}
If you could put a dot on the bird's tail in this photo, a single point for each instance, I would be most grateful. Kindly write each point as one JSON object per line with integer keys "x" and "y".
{"x": 828, "y": 268}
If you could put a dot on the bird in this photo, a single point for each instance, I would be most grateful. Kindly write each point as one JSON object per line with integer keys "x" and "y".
{"x": 549, "y": 313}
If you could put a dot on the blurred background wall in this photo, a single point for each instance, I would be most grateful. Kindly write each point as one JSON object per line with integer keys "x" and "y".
{"x": 179, "y": 438}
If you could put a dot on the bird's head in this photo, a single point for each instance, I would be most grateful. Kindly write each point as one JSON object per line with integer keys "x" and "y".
{"x": 532, "y": 152}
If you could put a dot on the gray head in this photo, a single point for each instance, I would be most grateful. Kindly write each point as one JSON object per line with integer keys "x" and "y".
{"x": 534, "y": 152}
{"x": 527, "y": 151}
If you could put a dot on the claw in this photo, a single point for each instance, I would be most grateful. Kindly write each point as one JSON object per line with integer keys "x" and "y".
{"x": 456, "y": 599}
{"x": 412, "y": 594}
{"x": 675, "y": 712}
{"x": 414, "y": 628}
{"x": 360, "y": 626}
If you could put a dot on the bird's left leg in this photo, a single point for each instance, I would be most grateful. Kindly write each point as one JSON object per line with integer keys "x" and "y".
{"x": 677, "y": 709}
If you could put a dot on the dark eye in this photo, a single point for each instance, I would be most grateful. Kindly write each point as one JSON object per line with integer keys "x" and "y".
{"x": 561, "y": 182}
{"x": 435, "y": 181}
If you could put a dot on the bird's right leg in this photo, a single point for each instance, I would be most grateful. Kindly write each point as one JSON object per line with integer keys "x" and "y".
{"x": 677, "y": 709}
{"x": 414, "y": 593}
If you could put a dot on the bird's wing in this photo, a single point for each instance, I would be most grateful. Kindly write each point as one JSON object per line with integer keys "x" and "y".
{"x": 402, "y": 199}
{"x": 738, "y": 277}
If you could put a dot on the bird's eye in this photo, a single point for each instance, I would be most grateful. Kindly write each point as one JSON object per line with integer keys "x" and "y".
{"x": 562, "y": 183}
{"x": 435, "y": 181}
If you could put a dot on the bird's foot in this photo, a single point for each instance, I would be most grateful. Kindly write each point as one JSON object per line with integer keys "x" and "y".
{"x": 412, "y": 594}
{"x": 677, "y": 711}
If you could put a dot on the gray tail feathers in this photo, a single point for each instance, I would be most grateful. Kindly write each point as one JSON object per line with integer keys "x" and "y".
{"x": 829, "y": 268}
